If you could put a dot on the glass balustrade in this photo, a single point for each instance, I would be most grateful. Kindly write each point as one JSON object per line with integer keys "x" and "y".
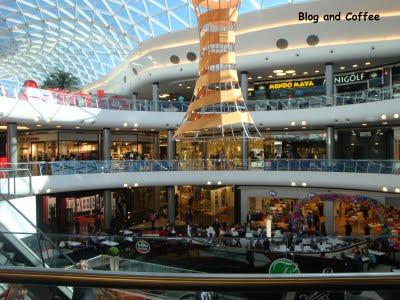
{"x": 121, "y": 103}
{"x": 120, "y": 166}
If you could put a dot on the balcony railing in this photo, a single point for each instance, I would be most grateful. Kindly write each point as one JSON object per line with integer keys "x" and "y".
{"x": 121, "y": 166}
{"x": 121, "y": 103}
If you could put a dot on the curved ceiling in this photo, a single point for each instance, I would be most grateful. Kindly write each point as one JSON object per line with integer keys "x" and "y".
{"x": 86, "y": 37}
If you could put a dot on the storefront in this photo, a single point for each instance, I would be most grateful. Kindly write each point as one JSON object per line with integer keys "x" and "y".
{"x": 288, "y": 89}
{"x": 369, "y": 143}
{"x": 396, "y": 143}
{"x": 315, "y": 86}
{"x": 50, "y": 145}
{"x": 358, "y": 81}
{"x": 131, "y": 146}
{"x": 205, "y": 205}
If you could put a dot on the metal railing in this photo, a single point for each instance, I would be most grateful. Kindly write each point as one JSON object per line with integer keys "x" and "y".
{"x": 9, "y": 177}
{"x": 200, "y": 282}
{"x": 122, "y": 103}
{"x": 69, "y": 167}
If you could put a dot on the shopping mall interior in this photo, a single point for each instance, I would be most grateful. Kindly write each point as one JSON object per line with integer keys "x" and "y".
{"x": 200, "y": 149}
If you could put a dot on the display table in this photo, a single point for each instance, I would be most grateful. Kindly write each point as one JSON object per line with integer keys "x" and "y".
{"x": 110, "y": 243}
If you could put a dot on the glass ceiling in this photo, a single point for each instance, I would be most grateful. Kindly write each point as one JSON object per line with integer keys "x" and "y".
{"x": 86, "y": 37}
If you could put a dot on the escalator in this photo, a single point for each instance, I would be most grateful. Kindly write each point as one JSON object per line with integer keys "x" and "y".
{"x": 23, "y": 244}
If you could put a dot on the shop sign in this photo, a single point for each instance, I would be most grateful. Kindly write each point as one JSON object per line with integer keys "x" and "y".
{"x": 357, "y": 77}
{"x": 142, "y": 247}
{"x": 292, "y": 85}
{"x": 273, "y": 194}
{"x": 284, "y": 266}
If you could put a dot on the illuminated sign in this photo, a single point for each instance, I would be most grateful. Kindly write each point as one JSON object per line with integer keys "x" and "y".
{"x": 292, "y": 84}
{"x": 357, "y": 77}
{"x": 142, "y": 247}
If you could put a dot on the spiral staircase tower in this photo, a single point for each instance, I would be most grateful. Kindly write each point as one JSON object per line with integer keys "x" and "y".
{"x": 218, "y": 108}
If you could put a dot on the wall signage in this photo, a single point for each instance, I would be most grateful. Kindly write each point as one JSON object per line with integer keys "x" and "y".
{"x": 292, "y": 84}
{"x": 357, "y": 77}
{"x": 142, "y": 247}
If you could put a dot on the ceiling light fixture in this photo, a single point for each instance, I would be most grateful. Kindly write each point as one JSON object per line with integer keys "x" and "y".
{"x": 364, "y": 124}
{"x": 396, "y": 115}
{"x": 316, "y": 71}
{"x": 303, "y": 123}
{"x": 367, "y": 63}
{"x": 136, "y": 184}
{"x": 281, "y": 74}
{"x": 293, "y": 183}
{"x": 136, "y": 125}
{"x": 304, "y": 184}
{"x": 290, "y": 71}
{"x": 355, "y": 66}
{"x": 305, "y": 73}
{"x": 208, "y": 182}
{"x": 383, "y": 117}
{"x": 219, "y": 182}
{"x": 397, "y": 190}
{"x": 293, "y": 123}
{"x": 342, "y": 68}
{"x": 125, "y": 185}
{"x": 125, "y": 124}
{"x": 385, "y": 189}
{"x": 277, "y": 71}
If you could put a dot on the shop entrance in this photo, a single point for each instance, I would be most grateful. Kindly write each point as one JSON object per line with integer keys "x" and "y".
{"x": 352, "y": 87}
{"x": 37, "y": 150}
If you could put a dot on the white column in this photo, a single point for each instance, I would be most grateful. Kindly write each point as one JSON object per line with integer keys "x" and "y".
{"x": 329, "y": 83}
{"x": 155, "y": 96}
{"x": 12, "y": 144}
{"x": 330, "y": 142}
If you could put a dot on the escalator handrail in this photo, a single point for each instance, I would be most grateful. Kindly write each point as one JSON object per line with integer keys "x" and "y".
{"x": 199, "y": 281}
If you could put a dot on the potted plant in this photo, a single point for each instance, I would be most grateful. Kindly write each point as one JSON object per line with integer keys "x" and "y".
{"x": 114, "y": 258}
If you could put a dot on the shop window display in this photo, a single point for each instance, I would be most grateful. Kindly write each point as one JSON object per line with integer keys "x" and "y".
{"x": 205, "y": 206}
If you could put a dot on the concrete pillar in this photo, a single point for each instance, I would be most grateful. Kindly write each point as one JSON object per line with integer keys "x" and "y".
{"x": 107, "y": 210}
{"x": 244, "y": 84}
{"x": 106, "y": 144}
{"x": 107, "y": 193}
{"x": 329, "y": 216}
{"x": 387, "y": 77}
{"x": 330, "y": 142}
{"x": 245, "y": 151}
{"x": 155, "y": 96}
{"x": 156, "y": 155}
{"x": 171, "y": 204}
{"x": 12, "y": 143}
{"x": 329, "y": 83}
{"x": 171, "y": 144}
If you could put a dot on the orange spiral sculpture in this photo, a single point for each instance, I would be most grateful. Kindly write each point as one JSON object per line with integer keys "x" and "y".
{"x": 218, "y": 107}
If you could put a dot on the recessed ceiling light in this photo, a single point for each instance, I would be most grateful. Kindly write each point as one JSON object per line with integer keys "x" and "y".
{"x": 281, "y": 74}
{"x": 37, "y": 119}
{"x": 38, "y": 125}
{"x": 219, "y": 182}
{"x": 377, "y": 144}
{"x": 293, "y": 184}
{"x": 316, "y": 71}
{"x": 303, "y": 123}
{"x": 355, "y": 66}
{"x": 48, "y": 191}
{"x": 383, "y": 117}
{"x": 208, "y": 182}
{"x": 134, "y": 129}
{"x": 397, "y": 190}
{"x": 367, "y": 63}
{"x": 188, "y": 87}
{"x": 352, "y": 144}
{"x": 125, "y": 185}
{"x": 293, "y": 123}
{"x": 117, "y": 129}
{"x": 152, "y": 129}
{"x": 180, "y": 84}
{"x": 125, "y": 124}
{"x": 136, "y": 184}
{"x": 277, "y": 71}
{"x": 384, "y": 189}
{"x": 384, "y": 123}
{"x": 342, "y": 68}
{"x": 304, "y": 184}
{"x": 305, "y": 73}
{"x": 250, "y": 89}
{"x": 58, "y": 126}
{"x": 270, "y": 76}
{"x": 136, "y": 125}
{"x": 290, "y": 71}
{"x": 396, "y": 116}
{"x": 48, "y": 120}
{"x": 259, "y": 77}
{"x": 250, "y": 78}
{"x": 364, "y": 124}
{"x": 77, "y": 127}
{"x": 286, "y": 128}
